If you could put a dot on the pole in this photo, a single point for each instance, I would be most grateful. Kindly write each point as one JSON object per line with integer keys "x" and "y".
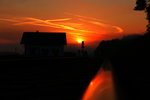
{"x": 82, "y": 45}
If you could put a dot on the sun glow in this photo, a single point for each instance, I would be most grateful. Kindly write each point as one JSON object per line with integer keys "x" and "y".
{"x": 79, "y": 40}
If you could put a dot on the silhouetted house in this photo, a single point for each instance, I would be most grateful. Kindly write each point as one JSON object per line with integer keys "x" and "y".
{"x": 43, "y": 43}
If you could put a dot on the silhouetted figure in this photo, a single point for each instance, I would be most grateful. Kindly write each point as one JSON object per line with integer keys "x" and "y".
{"x": 83, "y": 45}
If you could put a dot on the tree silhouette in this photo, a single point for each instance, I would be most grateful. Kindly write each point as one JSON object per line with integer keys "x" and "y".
{"x": 144, "y": 5}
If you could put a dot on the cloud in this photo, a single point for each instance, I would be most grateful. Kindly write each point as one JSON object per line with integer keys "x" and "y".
{"x": 47, "y": 23}
{"x": 103, "y": 25}
{"x": 9, "y": 20}
{"x": 76, "y": 26}
{"x": 65, "y": 19}
{"x": 84, "y": 17}
{"x": 120, "y": 30}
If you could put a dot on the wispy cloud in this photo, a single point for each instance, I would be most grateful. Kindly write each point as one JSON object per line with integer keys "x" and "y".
{"x": 120, "y": 30}
{"x": 65, "y": 19}
{"x": 9, "y": 20}
{"x": 65, "y": 24}
{"x": 94, "y": 22}
{"x": 76, "y": 26}
{"x": 84, "y": 17}
{"x": 108, "y": 26}
{"x": 46, "y": 23}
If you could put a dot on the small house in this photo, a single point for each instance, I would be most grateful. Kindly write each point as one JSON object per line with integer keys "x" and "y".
{"x": 43, "y": 43}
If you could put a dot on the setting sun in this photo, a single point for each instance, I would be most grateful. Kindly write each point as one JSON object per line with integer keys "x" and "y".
{"x": 79, "y": 41}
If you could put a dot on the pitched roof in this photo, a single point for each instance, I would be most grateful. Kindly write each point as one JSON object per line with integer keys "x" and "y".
{"x": 43, "y": 38}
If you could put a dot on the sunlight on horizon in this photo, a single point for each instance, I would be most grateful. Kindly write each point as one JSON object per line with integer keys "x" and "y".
{"x": 79, "y": 41}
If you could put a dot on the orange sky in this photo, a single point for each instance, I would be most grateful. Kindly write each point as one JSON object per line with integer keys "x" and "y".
{"x": 88, "y": 20}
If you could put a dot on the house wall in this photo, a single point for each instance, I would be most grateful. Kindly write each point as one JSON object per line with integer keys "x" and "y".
{"x": 38, "y": 50}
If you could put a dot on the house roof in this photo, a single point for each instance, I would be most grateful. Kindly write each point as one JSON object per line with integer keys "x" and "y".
{"x": 43, "y": 38}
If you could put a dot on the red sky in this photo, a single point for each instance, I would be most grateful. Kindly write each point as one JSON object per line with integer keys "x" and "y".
{"x": 88, "y": 20}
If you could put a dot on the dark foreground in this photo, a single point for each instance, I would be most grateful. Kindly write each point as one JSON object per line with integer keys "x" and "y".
{"x": 67, "y": 78}
{"x": 130, "y": 59}
{"x": 45, "y": 78}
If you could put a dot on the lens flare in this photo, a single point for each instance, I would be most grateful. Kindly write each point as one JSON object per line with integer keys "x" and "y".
{"x": 101, "y": 87}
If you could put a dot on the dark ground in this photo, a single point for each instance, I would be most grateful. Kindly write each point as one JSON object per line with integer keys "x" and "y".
{"x": 130, "y": 59}
{"x": 64, "y": 78}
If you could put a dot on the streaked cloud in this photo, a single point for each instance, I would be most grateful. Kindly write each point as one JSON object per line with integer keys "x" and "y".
{"x": 77, "y": 26}
{"x": 84, "y": 17}
{"x": 120, "y": 30}
{"x": 9, "y": 20}
{"x": 108, "y": 26}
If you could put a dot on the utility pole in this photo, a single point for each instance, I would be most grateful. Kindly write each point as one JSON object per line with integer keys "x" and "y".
{"x": 82, "y": 45}
{"x": 83, "y": 51}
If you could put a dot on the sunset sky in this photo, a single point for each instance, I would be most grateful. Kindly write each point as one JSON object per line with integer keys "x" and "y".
{"x": 88, "y": 20}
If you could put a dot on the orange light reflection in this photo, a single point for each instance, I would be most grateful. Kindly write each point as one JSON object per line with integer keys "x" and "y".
{"x": 101, "y": 87}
